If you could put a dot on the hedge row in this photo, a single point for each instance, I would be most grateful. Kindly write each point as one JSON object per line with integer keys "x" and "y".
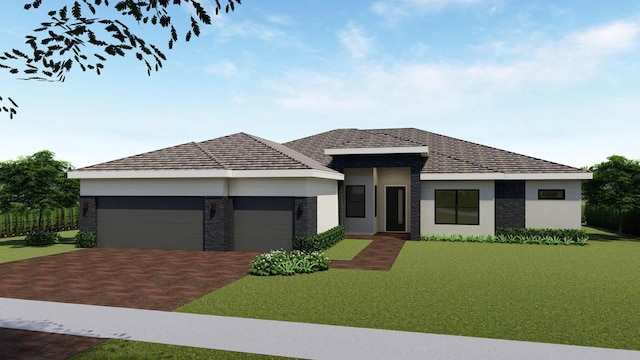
{"x": 319, "y": 242}
{"x": 606, "y": 217}
{"x": 21, "y": 223}
{"x": 573, "y": 234}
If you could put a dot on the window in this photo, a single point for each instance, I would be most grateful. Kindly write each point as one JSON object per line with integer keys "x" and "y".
{"x": 355, "y": 201}
{"x": 550, "y": 194}
{"x": 461, "y": 207}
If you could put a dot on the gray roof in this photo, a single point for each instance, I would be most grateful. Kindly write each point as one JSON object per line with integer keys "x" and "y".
{"x": 233, "y": 152}
{"x": 243, "y": 151}
{"x": 446, "y": 154}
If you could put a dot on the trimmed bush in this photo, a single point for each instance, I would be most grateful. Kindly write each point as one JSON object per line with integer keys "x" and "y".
{"x": 17, "y": 223}
{"x": 606, "y": 217}
{"x": 279, "y": 262}
{"x": 85, "y": 239}
{"x": 520, "y": 236}
{"x": 42, "y": 238}
{"x": 319, "y": 242}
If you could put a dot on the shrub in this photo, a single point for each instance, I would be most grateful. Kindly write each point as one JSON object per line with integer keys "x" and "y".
{"x": 279, "y": 262}
{"x": 520, "y": 236}
{"x": 41, "y": 238}
{"x": 85, "y": 239}
{"x": 319, "y": 242}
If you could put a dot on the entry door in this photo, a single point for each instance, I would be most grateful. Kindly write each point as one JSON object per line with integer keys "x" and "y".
{"x": 395, "y": 208}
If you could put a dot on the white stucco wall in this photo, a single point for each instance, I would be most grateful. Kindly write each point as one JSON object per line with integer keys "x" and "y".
{"x": 327, "y": 214}
{"x": 282, "y": 187}
{"x": 486, "y": 224}
{"x": 560, "y": 214}
{"x": 361, "y": 226}
{"x": 153, "y": 187}
{"x": 393, "y": 177}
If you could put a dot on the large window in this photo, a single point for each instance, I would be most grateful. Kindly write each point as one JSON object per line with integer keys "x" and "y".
{"x": 461, "y": 207}
{"x": 355, "y": 201}
{"x": 550, "y": 194}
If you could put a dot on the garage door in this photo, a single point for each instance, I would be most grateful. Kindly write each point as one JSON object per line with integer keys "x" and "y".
{"x": 262, "y": 224}
{"x": 151, "y": 222}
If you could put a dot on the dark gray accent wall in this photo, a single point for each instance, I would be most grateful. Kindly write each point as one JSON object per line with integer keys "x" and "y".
{"x": 88, "y": 214}
{"x": 305, "y": 215}
{"x": 510, "y": 203}
{"x": 218, "y": 224}
{"x": 341, "y": 203}
{"x": 414, "y": 161}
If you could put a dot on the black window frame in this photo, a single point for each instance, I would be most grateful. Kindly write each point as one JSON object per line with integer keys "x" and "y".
{"x": 456, "y": 208}
{"x": 350, "y": 203}
{"x": 564, "y": 194}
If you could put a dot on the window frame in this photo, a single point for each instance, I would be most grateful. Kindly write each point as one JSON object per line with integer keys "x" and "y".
{"x": 456, "y": 207}
{"x": 355, "y": 202}
{"x": 564, "y": 194}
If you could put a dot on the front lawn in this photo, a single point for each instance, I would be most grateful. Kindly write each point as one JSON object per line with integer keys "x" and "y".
{"x": 556, "y": 294}
{"x": 12, "y": 249}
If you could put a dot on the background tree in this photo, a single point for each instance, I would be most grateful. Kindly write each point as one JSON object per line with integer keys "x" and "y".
{"x": 37, "y": 182}
{"x": 84, "y": 33}
{"x": 615, "y": 184}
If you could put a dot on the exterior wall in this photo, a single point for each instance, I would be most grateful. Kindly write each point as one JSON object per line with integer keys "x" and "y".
{"x": 393, "y": 177}
{"x": 560, "y": 214}
{"x": 218, "y": 224}
{"x": 376, "y": 211}
{"x": 327, "y": 213}
{"x": 364, "y": 226}
{"x": 510, "y": 203}
{"x": 153, "y": 187}
{"x": 298, "y": 187}
{"x": 88, "y": 214}
{"x": 487, "y": 203}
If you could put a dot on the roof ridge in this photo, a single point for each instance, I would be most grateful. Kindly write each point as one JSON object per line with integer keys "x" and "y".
{"x": 311, "y": 162}
{"x": 209, "y": 154}
{"x": 382, "y": 131}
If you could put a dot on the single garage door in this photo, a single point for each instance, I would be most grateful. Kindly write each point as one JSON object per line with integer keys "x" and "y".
{"x": 151, "y": 222}
{"x": 262, "y": 223}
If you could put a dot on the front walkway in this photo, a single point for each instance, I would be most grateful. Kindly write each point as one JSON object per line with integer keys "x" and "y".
{"x": 279, "y": 338}
{"x": 381, "y": 254}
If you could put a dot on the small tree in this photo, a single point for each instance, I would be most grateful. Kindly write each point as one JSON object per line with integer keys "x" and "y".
{"x": 616, "y": 184}
{"x": 37, "y": 182}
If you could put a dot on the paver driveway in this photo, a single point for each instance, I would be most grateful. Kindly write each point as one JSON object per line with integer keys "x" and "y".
{"x": 135, "y": 278}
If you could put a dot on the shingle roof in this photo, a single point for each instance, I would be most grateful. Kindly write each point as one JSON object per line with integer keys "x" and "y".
{"x": 243, "y": 151}
{"x": 446, "y": 154}
{"x": 239, "y": 151}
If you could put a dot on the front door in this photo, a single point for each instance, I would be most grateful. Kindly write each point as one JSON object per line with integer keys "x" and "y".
{"x": 395, "y": 208}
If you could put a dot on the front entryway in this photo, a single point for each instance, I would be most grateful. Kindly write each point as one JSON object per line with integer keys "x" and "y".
{"x": 395, "y": 208}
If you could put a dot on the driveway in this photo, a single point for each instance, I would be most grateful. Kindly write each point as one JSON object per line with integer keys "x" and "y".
{"x": 135, "y": 278}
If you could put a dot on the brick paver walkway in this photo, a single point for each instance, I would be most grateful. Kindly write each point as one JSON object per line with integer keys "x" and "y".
{"x": 379, "y": 255}
{"x": 134, "y": 278}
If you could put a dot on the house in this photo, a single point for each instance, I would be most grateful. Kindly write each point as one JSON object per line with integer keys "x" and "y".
{"x": 241, "y": 192}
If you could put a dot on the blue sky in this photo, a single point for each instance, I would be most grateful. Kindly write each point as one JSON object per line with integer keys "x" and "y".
{"x": 557, "y": 80}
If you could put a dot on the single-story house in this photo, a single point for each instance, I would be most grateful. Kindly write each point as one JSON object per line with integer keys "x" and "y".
{"x": 241, "y": 192}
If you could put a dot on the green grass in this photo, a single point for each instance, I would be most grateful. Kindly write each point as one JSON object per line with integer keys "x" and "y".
{"x": 579, "y": 295}
{"x": 12, "y": 249}
{"x": 346, "y": 249}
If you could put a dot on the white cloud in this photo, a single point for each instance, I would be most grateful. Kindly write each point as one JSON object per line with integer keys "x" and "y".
{"x": 414, "y": 87}
{"x": 354, "y": 41}
{"x": 225, "y": 69}
{"x": 392, "y": 10}
{"x": 280, "y": 20}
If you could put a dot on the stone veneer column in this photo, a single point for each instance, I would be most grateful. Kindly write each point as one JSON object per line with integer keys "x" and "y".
{"x": 88, "y": 214}
{"x": 305, "y": 215}
{"x": 415, "y": 202}
{"x": 218, "y": 224}
{"x": 510, "y": 203}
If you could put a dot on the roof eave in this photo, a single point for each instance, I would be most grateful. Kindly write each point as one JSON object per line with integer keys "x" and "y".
{"x": 511, "y": 176}
{"x": 211, "y": 173}
{"x": 422, "y": 150}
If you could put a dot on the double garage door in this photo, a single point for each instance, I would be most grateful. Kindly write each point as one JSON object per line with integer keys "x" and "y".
{"x": 260, "y": 224}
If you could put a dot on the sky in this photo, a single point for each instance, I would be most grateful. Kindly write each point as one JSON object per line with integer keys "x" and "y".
{"x": 556, "y": 80}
